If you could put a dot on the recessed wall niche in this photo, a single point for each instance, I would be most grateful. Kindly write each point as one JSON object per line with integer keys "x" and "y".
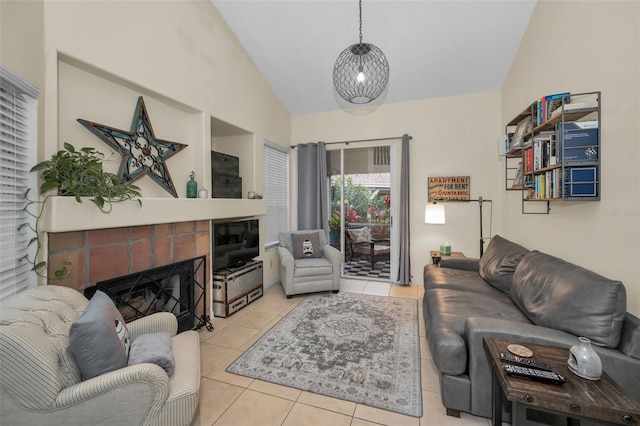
{"x": 232, "y": 140}
{"x": 95, "y": 95}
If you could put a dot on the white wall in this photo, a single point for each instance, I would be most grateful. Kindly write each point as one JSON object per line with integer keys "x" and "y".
{"x": 453, "y": 136}
{"x": 581, "y": 46}
{"x": 179, "y": 54}
{"x": 183, "y": 51}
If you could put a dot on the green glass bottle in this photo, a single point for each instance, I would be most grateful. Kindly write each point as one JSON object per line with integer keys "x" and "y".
{"x": 192, "y": 186}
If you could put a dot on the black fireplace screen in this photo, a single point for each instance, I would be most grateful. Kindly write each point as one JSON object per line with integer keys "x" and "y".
{"x": 179, "y": 288}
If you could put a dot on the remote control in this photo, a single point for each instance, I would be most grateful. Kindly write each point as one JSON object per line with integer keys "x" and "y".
{"x": 525, "y": 362}
{"x": 532, "y": 373}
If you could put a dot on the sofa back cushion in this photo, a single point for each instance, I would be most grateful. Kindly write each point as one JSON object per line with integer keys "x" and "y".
{"x": 557, "y": 294}
{"x": 36, "y": 363}
{"x": 499, "y": 262}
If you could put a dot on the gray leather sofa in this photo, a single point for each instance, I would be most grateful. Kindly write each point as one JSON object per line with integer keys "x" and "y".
{"x": 525, "y": 296}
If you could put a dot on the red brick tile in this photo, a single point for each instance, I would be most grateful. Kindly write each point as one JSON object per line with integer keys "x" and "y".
{"x": 141, "y": 256}
{"x": 107, "y": 236}
{"x": 184, "y": 227}
{"x": 66, "y": 240}
{"x": 108, "y": 262}
{"x": 202, "y": 225}
{"x": 163, "y": 229}
{"x": 67, "y": 269}
{"x": 184, "y": 247}
{"x": 203, "y": 244}
{"x": 162, "y": 251}
{"x": 140, "y": 232}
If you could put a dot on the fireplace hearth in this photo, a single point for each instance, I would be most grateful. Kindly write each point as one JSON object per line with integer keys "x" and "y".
{"x": 179, "y": 288}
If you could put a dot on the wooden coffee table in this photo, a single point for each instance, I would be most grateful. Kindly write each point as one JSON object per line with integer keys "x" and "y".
{"x": 436, "y": 256}
{"x": 599, "y": 401}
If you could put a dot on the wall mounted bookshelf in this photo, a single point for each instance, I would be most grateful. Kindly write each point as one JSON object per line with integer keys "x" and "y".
{"x": 554, "y": 150}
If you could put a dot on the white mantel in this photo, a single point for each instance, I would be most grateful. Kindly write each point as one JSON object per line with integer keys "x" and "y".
{"x": 64, "y": 214}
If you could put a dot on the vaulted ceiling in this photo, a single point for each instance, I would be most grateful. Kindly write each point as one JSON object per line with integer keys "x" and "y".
{"x": 435, "y": 48}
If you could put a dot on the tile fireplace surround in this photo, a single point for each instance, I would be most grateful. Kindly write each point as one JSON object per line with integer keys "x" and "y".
{"x": 102, "y": 254}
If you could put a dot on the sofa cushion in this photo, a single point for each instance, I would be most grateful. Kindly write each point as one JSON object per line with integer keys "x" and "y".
{"x": 306, "y": 245}
{"x": 456, "y": 279}
{"x": 446, "y": 311}
{"x": 499, "y": 262}
{"x": 312, "y": 267}
{"x": 557, "y": 294}
{"x": 99, "y": 339}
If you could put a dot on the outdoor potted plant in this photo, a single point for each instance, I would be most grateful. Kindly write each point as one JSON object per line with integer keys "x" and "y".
{"x": 334, "y": 229}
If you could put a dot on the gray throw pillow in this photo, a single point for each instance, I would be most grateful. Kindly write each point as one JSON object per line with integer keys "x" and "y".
{"x": 99, "y": 339}
{"x": 154, "y": 348}
{"x": 499, "y": 262}
{"x": 306, "y": 245}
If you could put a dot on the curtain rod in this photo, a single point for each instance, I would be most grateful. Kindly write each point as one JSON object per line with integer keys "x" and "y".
{"x": 358, "y": 141}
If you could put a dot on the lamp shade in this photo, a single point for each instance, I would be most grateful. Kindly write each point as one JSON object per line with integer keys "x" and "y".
{"x": 361, "y": 73}
{"x": 434, "y": 214}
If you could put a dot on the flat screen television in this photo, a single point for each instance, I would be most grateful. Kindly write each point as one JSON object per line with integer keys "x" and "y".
{"x": 235, "y": 243}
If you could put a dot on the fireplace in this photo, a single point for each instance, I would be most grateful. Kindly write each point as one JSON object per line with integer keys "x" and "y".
{"x": 179, "y": 288}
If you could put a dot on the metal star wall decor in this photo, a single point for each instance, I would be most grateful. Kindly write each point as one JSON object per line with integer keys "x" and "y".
{"x": 142, "y": 152}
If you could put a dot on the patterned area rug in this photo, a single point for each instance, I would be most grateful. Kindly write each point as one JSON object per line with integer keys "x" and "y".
{"x": 359, "y": 348}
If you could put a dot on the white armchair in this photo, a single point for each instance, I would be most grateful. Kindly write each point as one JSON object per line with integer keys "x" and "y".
{"x": 309, "y": 274}
{"x": 40, "y": 382}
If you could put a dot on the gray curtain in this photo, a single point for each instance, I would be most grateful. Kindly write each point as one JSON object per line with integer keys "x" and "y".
{"x": 404, "y": 272}
{"x": 312, "y": 186}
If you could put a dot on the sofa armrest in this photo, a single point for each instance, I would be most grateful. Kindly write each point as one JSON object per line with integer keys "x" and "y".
{"x": 286, "y": 269}
{"x": 333, "y": 255}
{"x": 154, "y": 323}
{"x": 336, "y": 258}
{"x": 466, "y": 263}
{"x": 147, "y": 384}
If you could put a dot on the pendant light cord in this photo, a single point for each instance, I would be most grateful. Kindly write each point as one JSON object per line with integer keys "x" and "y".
{"x": 360, "y": 21}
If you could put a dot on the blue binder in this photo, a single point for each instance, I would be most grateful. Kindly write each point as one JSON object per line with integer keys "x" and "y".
{"x": 581, "y": 183}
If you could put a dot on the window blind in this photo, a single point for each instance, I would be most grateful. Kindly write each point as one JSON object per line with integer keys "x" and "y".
{"x": 276, "y": 191}
{"x": 18, "y": 147}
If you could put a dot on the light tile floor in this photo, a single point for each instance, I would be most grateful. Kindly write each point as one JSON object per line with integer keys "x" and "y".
{"x": 228, "y": 399}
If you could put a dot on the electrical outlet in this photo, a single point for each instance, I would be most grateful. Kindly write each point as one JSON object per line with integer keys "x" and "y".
{"x": 271, "y": 264}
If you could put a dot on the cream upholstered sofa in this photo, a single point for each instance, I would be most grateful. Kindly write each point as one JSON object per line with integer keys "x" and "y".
{"x": 300, "y": 274}
{"x": 41, "y": 384}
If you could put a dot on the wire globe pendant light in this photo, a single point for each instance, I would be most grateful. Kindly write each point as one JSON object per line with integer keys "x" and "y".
{"x": 361, "y": 72}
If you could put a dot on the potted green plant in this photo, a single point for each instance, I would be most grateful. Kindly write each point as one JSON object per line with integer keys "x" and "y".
{"x": 79, "y": 173}
{"x": 334, "y": 229}
{"x": 76, "y": 173}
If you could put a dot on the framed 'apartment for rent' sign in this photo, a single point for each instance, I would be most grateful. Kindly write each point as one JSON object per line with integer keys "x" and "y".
{"x": 449, "y": 188}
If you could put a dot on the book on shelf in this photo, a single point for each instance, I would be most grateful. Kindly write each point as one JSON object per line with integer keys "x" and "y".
{"x": 528, "y": 160}
{"x": 522, "y": 128}
{"x": 518, "y": 178}
{"x": 553, "y": 149}
{"x": 547, "y": 104}
{"x": 542, "y": 150}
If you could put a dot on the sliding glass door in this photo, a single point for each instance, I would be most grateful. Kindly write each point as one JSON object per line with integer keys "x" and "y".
{"x": 361, "y": 193}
